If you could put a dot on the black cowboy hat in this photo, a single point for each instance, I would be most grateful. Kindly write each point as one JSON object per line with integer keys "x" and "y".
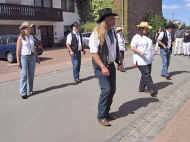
{"x": 170, "y": 25}
{"x": 75, "y": 24}
{"x": 103, "y": 13}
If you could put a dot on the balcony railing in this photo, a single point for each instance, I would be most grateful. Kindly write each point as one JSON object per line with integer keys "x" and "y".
{"x": 22, "y": 12}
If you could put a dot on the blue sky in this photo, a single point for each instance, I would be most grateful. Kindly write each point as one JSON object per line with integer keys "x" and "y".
{"x": 177, "y": 9}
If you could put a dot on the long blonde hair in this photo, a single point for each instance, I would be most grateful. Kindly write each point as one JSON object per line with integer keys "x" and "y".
{"x": 101, "y": 30}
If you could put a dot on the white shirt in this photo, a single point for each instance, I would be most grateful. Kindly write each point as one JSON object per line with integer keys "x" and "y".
{"x": 69, "y": 40}
{"x": 144, "y": 44}
{"x": 94, "y": 43}
{"x": 27, "y": 47}
{"x": 121, "y": 41}
{"x": 161, "y": 36}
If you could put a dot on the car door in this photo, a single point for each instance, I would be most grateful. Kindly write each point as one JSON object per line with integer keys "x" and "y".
{"x": 3, "y": 46}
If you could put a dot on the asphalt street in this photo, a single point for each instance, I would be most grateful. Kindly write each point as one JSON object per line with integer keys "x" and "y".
{"x": 63, "y": 112}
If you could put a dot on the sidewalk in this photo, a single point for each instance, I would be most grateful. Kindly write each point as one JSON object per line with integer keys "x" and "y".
{"x": 178, "y": 128}
{"x": 63, "y": 112}
{"x": 51, "y": 60}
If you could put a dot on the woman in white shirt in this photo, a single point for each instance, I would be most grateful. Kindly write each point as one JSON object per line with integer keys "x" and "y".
{"x": 121, "y": 42}
{"x": 26, "y": 59}
{"x": 143, "y": 50}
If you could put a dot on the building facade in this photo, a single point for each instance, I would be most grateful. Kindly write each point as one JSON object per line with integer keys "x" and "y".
{"x": 52, "y": 18}
{"x": 131, "y": 12}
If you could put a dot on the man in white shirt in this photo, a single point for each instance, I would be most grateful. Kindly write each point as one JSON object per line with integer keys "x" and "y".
{"x": 142, "y": 47}
{"x": 105, "y": 52}
{"x": 122, "y": 42}
{"x": 75, "y": 46}
{"x": 165, "y": 42}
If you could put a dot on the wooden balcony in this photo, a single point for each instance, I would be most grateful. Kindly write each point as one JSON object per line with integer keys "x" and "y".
{"x": 22, "y": 12}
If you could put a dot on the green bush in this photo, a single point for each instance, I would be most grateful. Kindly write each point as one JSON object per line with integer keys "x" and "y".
{"x": 88, "y": 27}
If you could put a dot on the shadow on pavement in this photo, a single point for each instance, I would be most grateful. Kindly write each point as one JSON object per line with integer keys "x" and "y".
{"x": 130, "y": 68}
{"x": 44, "y": 59}
{"x": 132, "y": 106}
{"x": 178, "y": 72}
{"x": 162, "y": 85}
{"x": 59, "y": 86}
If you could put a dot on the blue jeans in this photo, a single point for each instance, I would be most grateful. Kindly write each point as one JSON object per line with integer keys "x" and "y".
{"x": 165, "y": 55}
{"x": 27, "y": 74}
{"x": 76, "y": 61}
{"x": 108, "y": 88}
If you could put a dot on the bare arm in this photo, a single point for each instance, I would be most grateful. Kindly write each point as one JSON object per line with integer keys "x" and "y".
{"x": 135, "y": 50}
{"x": 18, "y": 49}
{"x": 69, "y": 48}
{"x": 162, "y": 44}
{"x": 98, "y": 61}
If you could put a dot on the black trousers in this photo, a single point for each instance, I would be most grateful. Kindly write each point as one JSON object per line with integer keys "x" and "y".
{"x": 146, "y": 78}
{"x": 122, "y": 54}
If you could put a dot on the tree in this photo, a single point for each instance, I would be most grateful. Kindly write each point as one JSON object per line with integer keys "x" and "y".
{"x": 83, "y": 7}
{"x": 156, "y": 21}
{"x": 96, "y": 5}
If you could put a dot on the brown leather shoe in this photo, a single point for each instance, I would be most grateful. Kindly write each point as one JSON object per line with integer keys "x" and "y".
{"x": 104, "y": 122}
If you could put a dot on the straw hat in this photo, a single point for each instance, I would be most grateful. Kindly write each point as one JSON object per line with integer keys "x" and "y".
{"x": 144, "y": 24}
{"x": 118, "y": 29}
{"x": 25, "y": 25}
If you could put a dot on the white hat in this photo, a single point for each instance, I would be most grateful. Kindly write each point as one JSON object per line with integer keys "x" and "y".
{"x": 25, "y": 25}
{"x": 144, "y": 24}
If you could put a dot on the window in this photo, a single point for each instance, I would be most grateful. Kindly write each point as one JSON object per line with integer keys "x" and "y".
{"x": 43, "y": 3}
{"x": 68, "y": 5}
{"x": 13, "y": 1}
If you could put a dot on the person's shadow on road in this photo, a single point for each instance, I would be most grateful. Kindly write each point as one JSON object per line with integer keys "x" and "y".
{"x": 60, "y": 86}
{"x": 162, "y": 85}
{"x": 132, "y": 106}
{"x": 174, "y": 73}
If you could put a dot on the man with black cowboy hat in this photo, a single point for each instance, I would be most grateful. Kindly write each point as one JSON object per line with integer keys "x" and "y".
{"x": 105, "y": 51}
{"x": 75, "y": 46}
{"x": 165, "y": 42}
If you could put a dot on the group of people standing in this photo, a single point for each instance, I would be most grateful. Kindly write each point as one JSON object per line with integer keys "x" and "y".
{"x": 107, "y": 46}
{"x": 182, "y": 42}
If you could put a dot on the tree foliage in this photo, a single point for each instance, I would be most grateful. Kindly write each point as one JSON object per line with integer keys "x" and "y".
{"x": 83, "y": 7}
{"x": 96, "y": 5}
{"x": 156, "y": 21}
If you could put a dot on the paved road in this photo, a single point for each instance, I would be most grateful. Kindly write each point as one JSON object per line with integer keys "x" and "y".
{"x": 64, "y": 112}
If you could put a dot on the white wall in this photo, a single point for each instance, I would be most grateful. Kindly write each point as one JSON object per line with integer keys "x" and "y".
{"x": 56, "y": 3}
{"x": 69, "y": 18}
{"x": 27, "y": 2}
{"x": 58, "y": 28}
{"x": 2, "y": 1}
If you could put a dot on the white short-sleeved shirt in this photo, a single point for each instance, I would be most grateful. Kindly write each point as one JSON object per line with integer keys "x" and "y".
{"x": 94, "y": 43}
{"x": 27, "y": 47}
{"x": 121, "y": 41}
{"x": 69, "y": 40}
{"x": 161, "y": 36}
{"x": 143, "y": 44}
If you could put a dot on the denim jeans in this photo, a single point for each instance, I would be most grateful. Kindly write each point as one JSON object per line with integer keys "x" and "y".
{"x": 146, "y": 79}
{"x": 27, "y": 74}
{"x": 165, "y": 55}
{"x": 76, "y": 61}
{"x": 108, "y": 88}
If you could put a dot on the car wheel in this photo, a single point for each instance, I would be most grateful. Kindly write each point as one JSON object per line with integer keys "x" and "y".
{"x": 10, "y": 57}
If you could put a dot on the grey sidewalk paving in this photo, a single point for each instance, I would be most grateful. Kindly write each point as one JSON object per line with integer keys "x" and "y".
{"x": 63, "y": 112}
